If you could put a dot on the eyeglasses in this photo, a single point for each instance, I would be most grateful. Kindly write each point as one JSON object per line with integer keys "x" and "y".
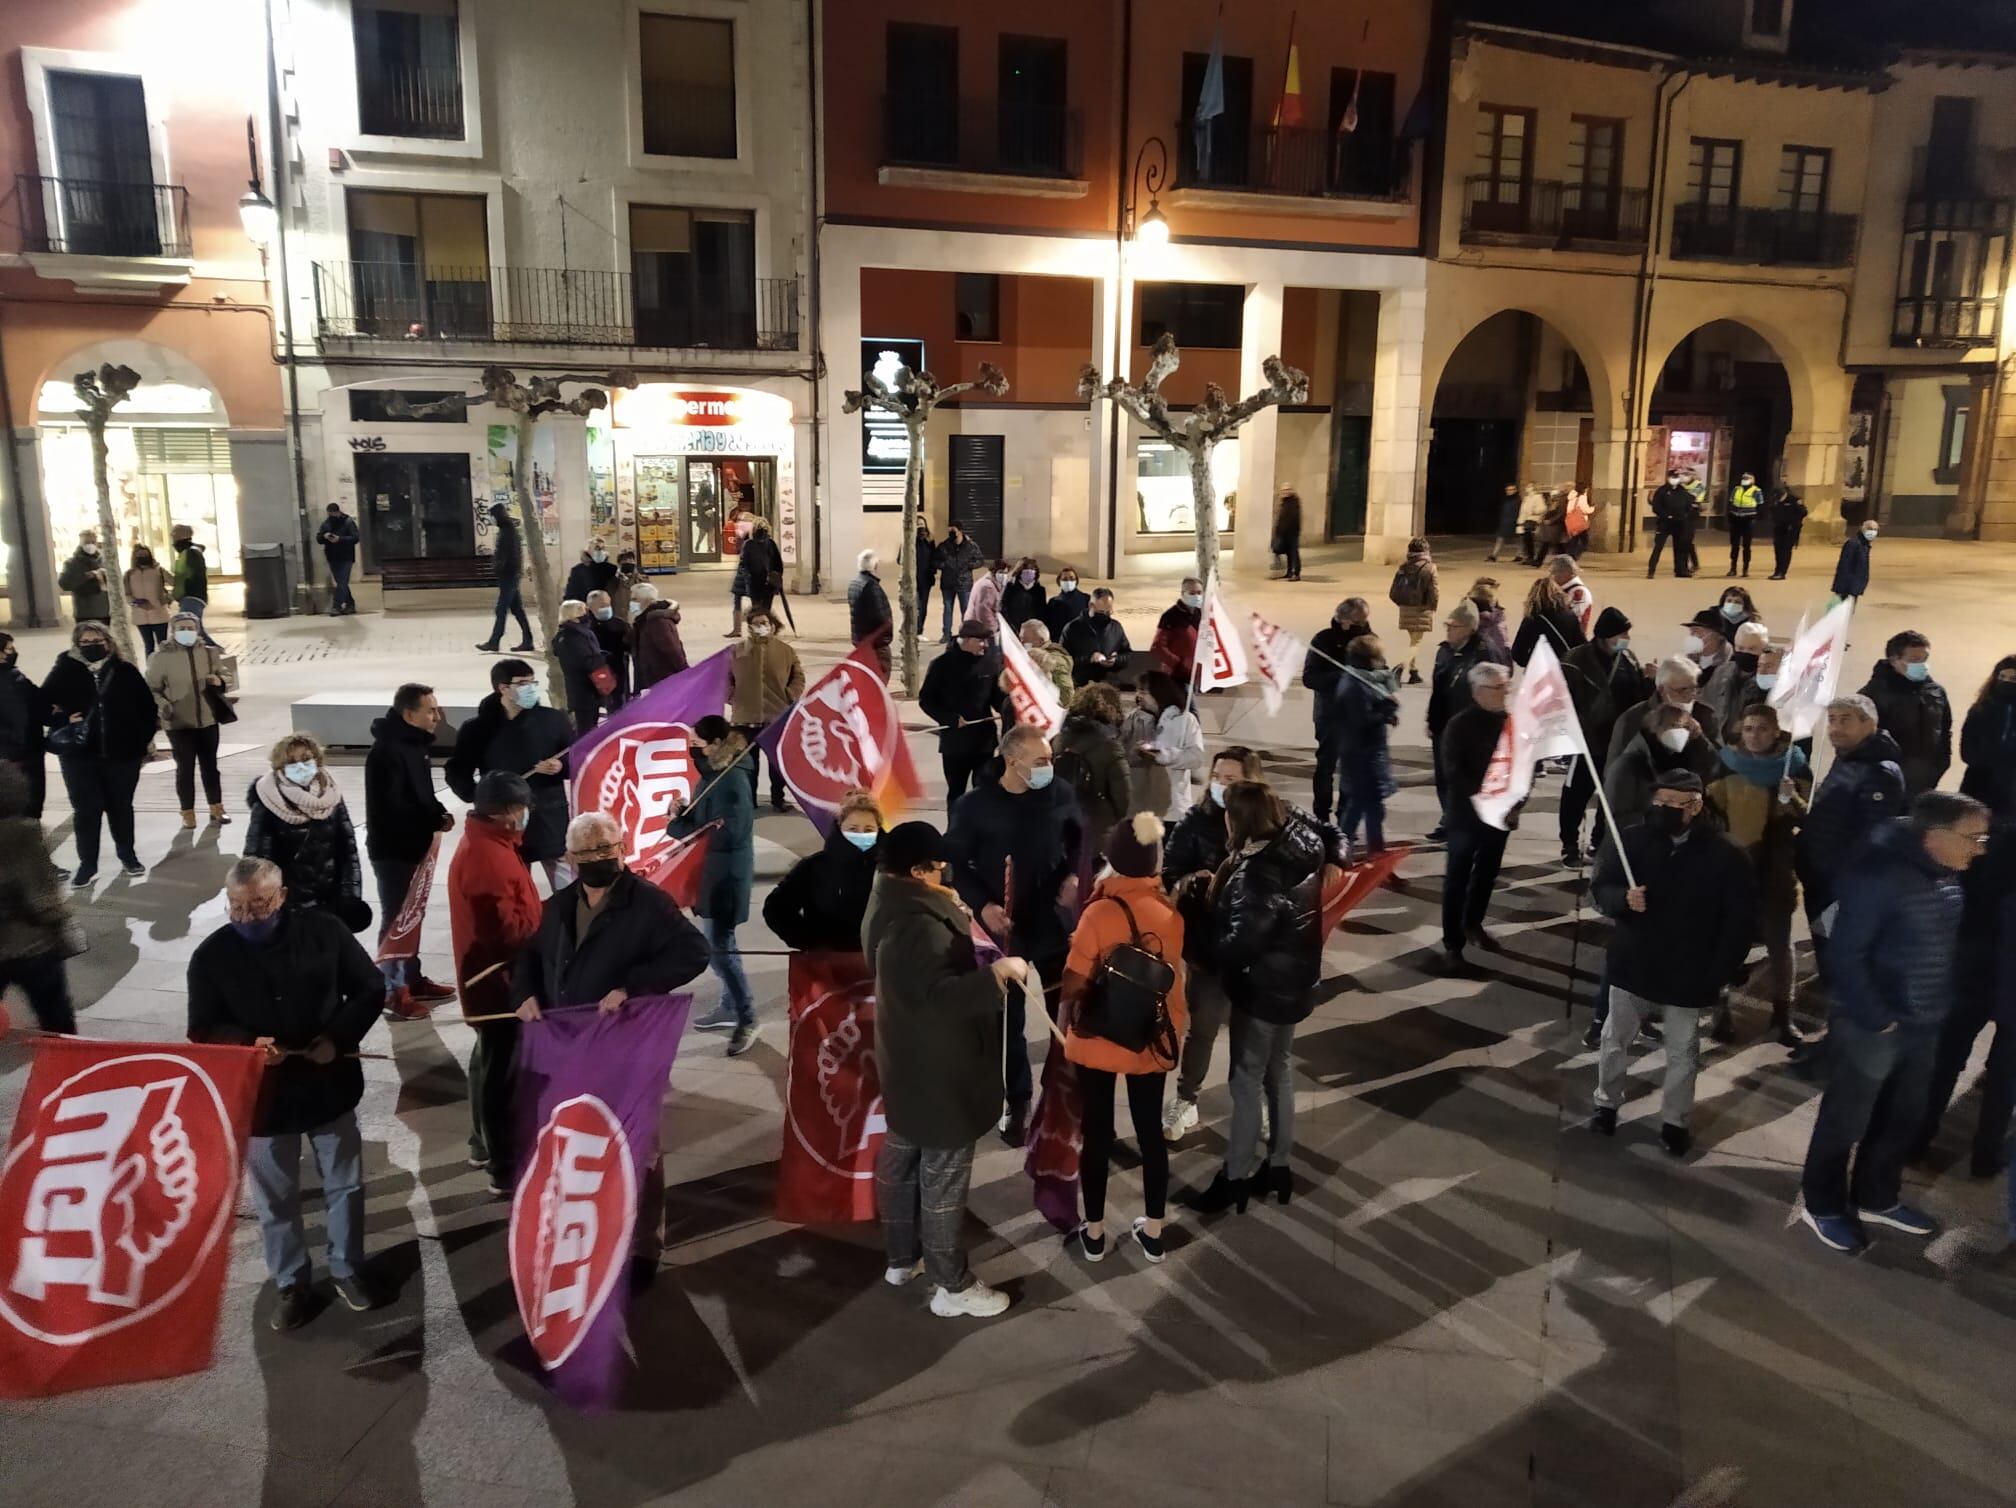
{"x": 599, "y": 851}
{"x": 255, "y": 908}
{"x": 1979, "y": 840}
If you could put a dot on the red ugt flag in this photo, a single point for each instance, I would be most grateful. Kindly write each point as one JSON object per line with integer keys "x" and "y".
{"x": 843, "y": 735}
{"x": 115, "y": 1205}
{"x": 402, "y": 932}
{"x": 833, "y": 1119}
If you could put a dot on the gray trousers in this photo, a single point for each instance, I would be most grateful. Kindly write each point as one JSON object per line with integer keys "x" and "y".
{"x": 1682, "y": 1025}
{"x": 1208, "y": 1009}
{"x": 920, "y": 1193}
{"x": 1260, "y": 1064}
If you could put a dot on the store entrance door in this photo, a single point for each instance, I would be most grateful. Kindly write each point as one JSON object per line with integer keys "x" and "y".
{"x": 415, "y": 507}
{"x": 724, "y": 497}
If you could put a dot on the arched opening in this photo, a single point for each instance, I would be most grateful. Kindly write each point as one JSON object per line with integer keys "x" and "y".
{"x": 1722, "y": 405}
{"x": 1514, "y": 404}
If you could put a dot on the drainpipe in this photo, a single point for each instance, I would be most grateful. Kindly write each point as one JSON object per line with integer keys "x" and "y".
{"x": 818, "y": 508}
{"x": 27, "y": 611}
{"x": 1115, "y": 367}
{"x": 1641, "y": 316}
{"x": 275, "y": 145}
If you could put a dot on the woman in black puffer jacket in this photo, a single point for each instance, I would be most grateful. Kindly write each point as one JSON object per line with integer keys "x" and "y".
{"x": 300, "y": 823}
{"x": 1268, "y": 906}
{"x": 96, "y": 690}
{"x": 819, "y": 904}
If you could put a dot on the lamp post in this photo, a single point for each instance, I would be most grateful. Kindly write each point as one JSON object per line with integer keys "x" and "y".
{"x": 266, "y": 227}
{"x": 1151, "y": 228}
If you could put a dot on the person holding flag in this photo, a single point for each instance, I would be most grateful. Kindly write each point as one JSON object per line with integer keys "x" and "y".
{"x": 726, "y": 806}
{"x": 1466, "y": 752}
{"x": 959, "y": 694}
{"x": 819, "y": 904}
{"x": 1175, "y": 643}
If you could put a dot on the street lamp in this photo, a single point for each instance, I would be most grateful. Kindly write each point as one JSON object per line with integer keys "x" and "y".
{"x": 255, "y": 211}
{"x": 1150, "y": 229}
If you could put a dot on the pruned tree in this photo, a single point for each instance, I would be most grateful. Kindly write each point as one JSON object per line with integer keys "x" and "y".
{"x": 1198, "y": 435}
{"x": 99, "y": 393}
{"x": 530, "y": 400}
{"x": 909, "y": 397}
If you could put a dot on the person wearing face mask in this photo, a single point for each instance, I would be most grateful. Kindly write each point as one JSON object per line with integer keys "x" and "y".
{"x": 1017, "y": 845}
{"x": 1851, "y": 570}
{"x": 1177, "y": 745}
{"x": 295, "y": 982}
{"x": 338, "y": 538}
{"x": 612, "y": 635}
{"x": 656, "y": 650}
{"x": 602, "y": 939}
{"x": 1760, "y": 794}
{"x": 1788, "y": 518}
{"x": 1048, "y": 658}
{"x": 1707, "y": 645}
{"x": 983, "y": 603}
{"x": 1067, "y": 605}
{"x": 764, "y": 678}
{"x": 819, "y": 904}
{"x": 493, "y": 913}
{"x": 146, "y": 587}
{"x": 960, "y": 694}
{"x": 1096, "y": 642}
{"x": 1892, "y": 957}
{"x": 83, "y": 577}
{"x": 958, "y": 561}
{"x": 1460, "y": 652}
{"x": 869, "y": 620}
{"x": 23, "y": 713}
{"x": 1676, "y": 682}
{"x": 1416, "y": 590}
{"x": 1022, "y": 595}
{"x": 512, "y": 731}
{"x": 300, "y": 822}
{"x": 1476, "y": 848}
{"x": 402, "y": 818}
{"x": 1681, "y": 933}
{"x": 37, "y": 930}
{"x": 582, "y": 662}
{"x": 1987, "y": 740}
{"x": 102, "y": 718}
{"x": 725, "y": 804}
{"x": 1604, "y": 678}
{"x": 187, "y": 679}
{"x": 626, "y": 580}
{"x": 1729, "y": 694}
{"x": 1912, "y": 708}
{"x": 1174, "y": 646}
{"x": 1322, "y": 669}
{"x": 1673, "y": 518}
{"x": 1669, "y": 738}
{"x": 591, "y": 573}
{"x": 1863, "y": 787}
{"x": 1746, "y": 502}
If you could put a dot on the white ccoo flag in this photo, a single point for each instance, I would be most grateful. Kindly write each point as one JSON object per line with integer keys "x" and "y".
{"x": 1221, "y": 657}
{"x": 1275, "y": 653}
{"x": 1031, "y": 692}
{"x": 1811, "y": 670}
{"x": 1540, "y": 723}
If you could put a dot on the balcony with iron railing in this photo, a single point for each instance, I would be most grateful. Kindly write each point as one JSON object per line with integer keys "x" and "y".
{"x": 90, "y": 217}
{"x": 998, "y": 138}
{"x": 547, "y": 306}
{"x": 1286, "y": 161}
{"x": 410, "y": 100}
{"x": 1544, "y": 212}
{"x": 1763, "y": 237}
{"x": 1944, "y": 323}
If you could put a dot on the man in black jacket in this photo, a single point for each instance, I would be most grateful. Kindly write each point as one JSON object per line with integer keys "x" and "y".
{"x": 401, "y": 818}
{"x": 1096, "y": 642}
{"x": 1461, "y": 651}
{"x": 509, "y": 559}
{"x": 1682, "y": 932}
{"x": 1322, "y": 669}
{"x": 1863, "y": 788}
{"x": 1604, "y": 678}
{"x": 511, "y": 731}
{"x": 1984, "y": 994}
{"x": 1476, "y": 848}
{"x": 1912, "y": 708}
{"x": 959, "y": 694}
{"x": 296, "y": 983}
{"x": 1673, "y": 515}
{"x": 1015, "y": 846}
{"x": 602, "y": 939}
{"x": 338, "y": 538}
{"x": 1067, "y": 605}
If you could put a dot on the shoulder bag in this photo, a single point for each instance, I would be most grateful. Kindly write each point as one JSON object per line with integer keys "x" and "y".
{"x": 1128, "y": 1001}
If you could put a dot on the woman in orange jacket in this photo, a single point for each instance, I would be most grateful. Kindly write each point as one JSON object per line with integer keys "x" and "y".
{"x": 1128, "y": 905}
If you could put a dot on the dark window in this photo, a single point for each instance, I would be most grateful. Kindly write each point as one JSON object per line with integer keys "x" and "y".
{"x": 1033, "y": 106}
{"x": 976, "y": 305}
{"x": 1949, "y": 148}
{"x": 1953, "y": 434}
{"x": 921, "y": 107}
{"x": 1362, "y": 156}
{"x": 1203, "y": 316}
{"x": 1767, "y": 18}
{"x": 1219, "y": 150}
{"x": 420, "y": 264}
{"x": 373, "y": 405}
{"x": 409, "y": 68}
{"x": 416, "y": 507}
{"x": 687, "y": 69}
{"x": 694, "y": 274}
{"x": 104, "y": 198}
{"x": 1714, "y": 173}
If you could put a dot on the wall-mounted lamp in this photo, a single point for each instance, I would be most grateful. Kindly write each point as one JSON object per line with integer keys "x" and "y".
{"x": 255, "y": 211}
{"x": 1151, "y": 228}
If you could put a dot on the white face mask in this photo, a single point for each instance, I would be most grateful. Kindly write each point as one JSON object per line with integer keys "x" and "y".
{"x": 1619, "y": 644}
{"x": 527, "y": 697}
{"x": 1870, "y": 535}
{"x": 604, "y": 614}
{"x": 1041, "y": 776}
{"x": 760, "y": 630}
{"x": 1766, "y": 679}
{"x": 1000, "y": 578}
{"x": 300, "y": 771}
{"x": 1067, "y": 583}
{"x": 1218, "y": 789}
{"x": 598, "y": 556}
{"x": 862, "y": 841}
{"x": 1694, "y": 645}
{"x": 1732, "y": 611}
{"x": 186, "y": 637}
{"x": 1193, "y": 599}
{"x": 1674, "y": 739}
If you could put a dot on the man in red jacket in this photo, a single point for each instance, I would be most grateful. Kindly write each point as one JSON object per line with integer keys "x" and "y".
{"x": 493, "y": 910}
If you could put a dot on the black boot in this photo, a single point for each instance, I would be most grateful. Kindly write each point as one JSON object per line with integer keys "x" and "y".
{"x": 1224, "y": 1193}
{"x": 1280, "y": 1183}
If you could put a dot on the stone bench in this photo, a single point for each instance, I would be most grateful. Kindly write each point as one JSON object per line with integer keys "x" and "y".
{"x": 342, "y": 719}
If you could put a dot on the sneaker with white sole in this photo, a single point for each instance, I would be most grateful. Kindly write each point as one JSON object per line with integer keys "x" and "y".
{"x": 1913, "y": 1222}
{"x": 976, "y": 1299}
{"x": 1094, "y": 1247}
{"x": 1150, "y": 1247}
{"x": 722, "y": 1018}
{"x": 1836, "y": 1231}
{"x": 1181, "y": 1116}
{"x": 896, "y": 1277}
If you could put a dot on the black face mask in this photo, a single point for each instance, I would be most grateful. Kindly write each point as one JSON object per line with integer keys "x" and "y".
{"x": 599, "y": 874}
{"x": 1669, "y": 821}
{"x": 7, "y": 660}
{"x": 93, "y": 652}
{"x": 2004, "y": 690}
{"x": 1746, "y": 662}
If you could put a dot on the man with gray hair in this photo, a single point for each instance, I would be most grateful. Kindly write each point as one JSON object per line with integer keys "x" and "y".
{"x": 1476, "y": 848}
{"x": 1864, "y": 787}
{"x": 1676, "y": 682}
{"x": 1581, "y": 601}
{"x": 298, "y": 984}
{"x": 868, "y": 617}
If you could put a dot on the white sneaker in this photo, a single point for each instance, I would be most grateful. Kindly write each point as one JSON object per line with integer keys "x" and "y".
{"x": 1181, "y": 1116}
{"x": 896, "y": 1277}
{"x": 976, "y": 1298}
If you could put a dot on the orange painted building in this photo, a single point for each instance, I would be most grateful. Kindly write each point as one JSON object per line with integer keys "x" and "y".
{"x": 123, "y": 143}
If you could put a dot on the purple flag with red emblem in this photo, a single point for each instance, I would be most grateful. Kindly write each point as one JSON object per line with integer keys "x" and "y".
{"x": 590, "y": 1089}
{"x": 642, "y": 756}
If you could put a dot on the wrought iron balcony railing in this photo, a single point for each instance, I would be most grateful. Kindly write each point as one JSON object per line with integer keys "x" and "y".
{"x": 1007, "y": 137}
{"x": 1296, "y": 160}
{"x": 1547, "y": 212}
{"x": 1767, "y": 237}
{"x": 95, "y": 217}
{"x": 414, "y": 101}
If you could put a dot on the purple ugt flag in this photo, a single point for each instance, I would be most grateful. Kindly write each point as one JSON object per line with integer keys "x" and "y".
{"x": 642, "y": 755}
{"x": 590, "y": 1088}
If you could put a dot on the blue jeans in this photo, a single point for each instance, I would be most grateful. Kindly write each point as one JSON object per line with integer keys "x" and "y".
{"x": 727, "y": 966}
{"x": 273, "y": 1164}
{"x": 1368, "y": 808}
{"x": 340, "y": 599}
{"x": 509, "y": 601}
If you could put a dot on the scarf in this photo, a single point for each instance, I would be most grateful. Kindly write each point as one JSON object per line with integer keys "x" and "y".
{"x": 295, "y": 805}
{"x": 1764, "y": 770}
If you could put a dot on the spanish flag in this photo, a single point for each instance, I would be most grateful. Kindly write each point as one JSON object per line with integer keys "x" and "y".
{"x": 1289, "y": 111}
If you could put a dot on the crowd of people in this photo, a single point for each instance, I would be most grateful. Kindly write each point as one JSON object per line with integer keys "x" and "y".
{"x": 1127, "y": 883}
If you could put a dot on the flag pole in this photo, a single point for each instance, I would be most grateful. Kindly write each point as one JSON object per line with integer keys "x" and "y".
{"x": 1610, "y": 820}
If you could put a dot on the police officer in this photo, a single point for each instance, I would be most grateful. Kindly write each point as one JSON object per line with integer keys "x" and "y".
{"x": 1673, "y": 511}
{"x": 1745, "y": 503}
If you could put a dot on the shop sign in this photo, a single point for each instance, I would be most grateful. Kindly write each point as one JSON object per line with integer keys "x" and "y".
{"x": 885, "y": 443}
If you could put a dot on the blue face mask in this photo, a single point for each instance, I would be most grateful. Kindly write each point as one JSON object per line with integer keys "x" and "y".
{"x": 1218, "y": 789}
{"x": 299, "y": 771}
{"x": 1041, "y": 776}
{"x": 862, "y": 841}
{"x": 259, "y": 931}
{"x": 527, "y": 697}
{"x": 604, "y": 614}
{"x": 1732, "y": 610}
{"x": 1919, "y": 671}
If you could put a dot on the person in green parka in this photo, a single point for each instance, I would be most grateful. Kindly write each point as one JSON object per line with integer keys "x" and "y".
{"x": 728, "y": 873}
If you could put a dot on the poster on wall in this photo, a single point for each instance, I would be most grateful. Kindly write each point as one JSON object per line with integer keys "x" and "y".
{"x": 1855, "y": 457}
{"x": 885, "y": 443}
{"x": 503, "y": 449}
{"x": 605, "y": 512}
{"x": 657, "y": 489}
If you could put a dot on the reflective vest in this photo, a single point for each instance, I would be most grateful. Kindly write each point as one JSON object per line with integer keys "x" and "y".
{"x": 1745, "y": 501}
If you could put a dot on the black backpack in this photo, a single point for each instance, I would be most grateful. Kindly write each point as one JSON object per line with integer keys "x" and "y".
{"x": 1128, "y": 1002}
{"x": 1408, "y": 589}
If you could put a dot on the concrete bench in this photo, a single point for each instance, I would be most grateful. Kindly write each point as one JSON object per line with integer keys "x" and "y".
{"x": 342, "y": 719}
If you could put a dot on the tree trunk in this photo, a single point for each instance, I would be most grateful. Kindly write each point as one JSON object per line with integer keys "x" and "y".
{"x": 532, "y": 532}
{"x": 913, "y": 511}
{"x": 108, "y": 543}
{"x": 1204, "y": 498}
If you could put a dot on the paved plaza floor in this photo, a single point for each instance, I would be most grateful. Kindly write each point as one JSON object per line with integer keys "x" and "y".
{"x": 1471, "y": 1301}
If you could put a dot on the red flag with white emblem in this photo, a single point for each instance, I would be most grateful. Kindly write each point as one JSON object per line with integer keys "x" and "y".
{"x": 1221, "y": 657}
{"x": 833, "y": 1119}
{"x": 1030, "y": 691}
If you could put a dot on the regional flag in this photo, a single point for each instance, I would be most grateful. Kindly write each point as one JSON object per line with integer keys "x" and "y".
{"x": 1811, "y": 670}
{"x": 1289, "y": 111}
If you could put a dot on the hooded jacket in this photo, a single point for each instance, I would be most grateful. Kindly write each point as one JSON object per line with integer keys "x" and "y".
{"x": 1919, "y": 719}
{"x": 638, "y": 941}
{"x": 1890, "y": 953}
{"x": 937, "y": 1015}
{"x": 820, "y": 903}
{"x": 113, "y": 695}
{"x": 493, "y": 912}
{"x": 655, "y": 647}
{"x": 1864, "y": 787}
{"x": 338, "y": 538}
{"x": 506, "y": 557}
{"x": 1096, "y": 772}
{"x": 401, "y": 812}
{"x": 492, "y": 741}
{"x": 1700, "y": 913}
{"x": 1268, "y": 911}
